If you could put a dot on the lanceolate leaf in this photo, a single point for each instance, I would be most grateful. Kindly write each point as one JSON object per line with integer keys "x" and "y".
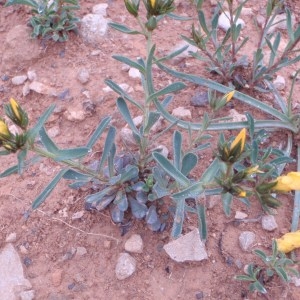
{"x": 227, "y": 199}
{"x": 174, "y": 87}
{"x": 31, "y": 3}
{"x": 123, "y": 28}
{"x": 9, "y": 171}
{"x": 129, "y": 62}
{"x": 74, "y": 153}
{"x": 97, "y": 133}
{"x": 189, "y": 161}
{"x": 177, "y": 143}
{"x": 109, "y": 143}
{"x": 49, "y": 188}
{"x": 178, "y": 218}
{"x": 47, "y": 141}
{"x": 75, "y": 175}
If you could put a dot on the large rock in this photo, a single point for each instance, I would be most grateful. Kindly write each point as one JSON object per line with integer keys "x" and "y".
{"x": 12, "y": 280}
{"x": 20, "y": 50}
{"x": 188, "y": 247}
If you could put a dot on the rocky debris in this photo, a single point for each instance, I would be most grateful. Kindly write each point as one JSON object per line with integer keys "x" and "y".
{"x": 94, "y": 26}
{"x": 64, "y": 95}
{"x": 26, "y": 89}
{"x": 42, "y": 88}
{"x": 224, "y": 21}
{"x": 80, "y": 251}
{"x": 182, "y": 113}
{"x": 247, "y": 11}
{"x": 246, "y": 240}
{"x": 134, "y": 73}
{"x": 134, "y": 244}
{"x": 74, "y": 113}
{"x": 268, "y": 223}
{"x": 83, "y": 76}
{"x": 188, "y": 247}
{"x": 125, "y": 68}
{"x": 127, "y": 137}
{"x": 15, "y": 56}
{"x": 54, "y": 131}
{"x": 295, "y": 280}
{"x": 56, "y": 277}
{"x": 31, "y": 74}
{"x": 294, "y": 74}
{"x": 279, "y": 83}
{"x": 18, "y": 80}
{"x": 11, "y": 238}
{"x": 185, "y": 53}
{"x": 27, "y": 295}
{"x": 78, "y": 215}
{"x": 200, "y": 99}
{"x": 212, "y": 201}
{"x": 236, "y": 117}
{"x": 69, "y": 254}
{"x": 12, "y": 277}
{"x": 126, "y": 266}
{"x": 124, "y": 86}
{"x": 240, "y": 215}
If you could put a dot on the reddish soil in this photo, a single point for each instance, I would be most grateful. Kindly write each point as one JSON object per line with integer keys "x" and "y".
{"x": 49, "y": 233}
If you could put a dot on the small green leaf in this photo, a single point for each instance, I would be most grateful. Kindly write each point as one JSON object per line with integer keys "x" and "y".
{"x": 73, "y": 153}
{"x": 47, "y": 141}
{"x": 177, "y": 144}
{"x": 97, "y": 133}
{"x": 178, "y": 218}
{"x": 189, "y": 161}
{"x": 49, "y": 188}
{"x": 109, "y": 143}
{"x": 226, "y": 200}
{"x": 75, "y": 175}
{"x": 129, "y": 62}
{"x": 21, "y": 160}
{"x": 9, "y": 171}
{"x": 201, "y": 220}
{"x": 174, "y": 87}
{"x": 153, "y": 118}
{"x": 123, "y": 28}
{"x": 31, "y": 3}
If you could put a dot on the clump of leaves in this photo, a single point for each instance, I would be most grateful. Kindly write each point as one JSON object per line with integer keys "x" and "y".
{"x": 51, "y": 19}
{"x": 276, "y": 264}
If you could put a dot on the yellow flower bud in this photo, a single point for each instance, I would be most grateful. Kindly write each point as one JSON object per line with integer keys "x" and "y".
{"x": 4, "y": 131}
{"x": 287, "y": 183}
{"x": 15, "y": 108}
{"x": 229, "y": 96}
{"x": 152, "y": 2}
{"x": 240, "y": 139}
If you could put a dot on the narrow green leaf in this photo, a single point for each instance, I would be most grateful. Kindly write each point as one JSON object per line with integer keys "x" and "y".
{"x": 189, "y": 161}
{"x": 226, "y": 200}
{"x": 170, "y": 169}
{"x": 282, "y": 274}
{"x": 261, "y": 254}
{"x": 49, "y": 188}
{"x": 73, "y": 153}
{"x": 153, "y": 118}
{"x": 131, "y": 172}
{"x": 21, "y": 160}
{"x": 149, "y": 77}
{"x": 109, "y": 143}
{"x": 251, "y": 125}
{"x": 31, "y": 3}
{"x": 4, "y": 152}
{"x": 178, "y": 218}
{"x": 192, "y": 191}
{"x": 174, "y": 87}
{"x": 281, "y": 160}
{"x": 202, "y": 21}
{"x": 177, "y": 144}
{"x": 254, "y": 152}
{"x": 108, "y": 191}
{"x": 75, "y": 175}
{"x": 178, "y": 18}
{"x": 123, "y": 108}
{"x": 129, "y": 62}
{"x": 9, "y": 171}
{"x": 47, "y": 141}
{"x": 97, "y": 133}
{"x": 211, "y": 172}
{"x": 173, "y": 54}
{"x": 123, "y": 28}
{"x": 201, "y": 221}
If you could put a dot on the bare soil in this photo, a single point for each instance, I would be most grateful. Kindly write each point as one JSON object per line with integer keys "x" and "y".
{"x": 46, "y": 239}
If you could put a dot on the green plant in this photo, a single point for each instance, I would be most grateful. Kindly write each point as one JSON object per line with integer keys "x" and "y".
{"x": 276, "y": 264}
{"x": 227, "y": 58}
{"x": 51, "y": 19}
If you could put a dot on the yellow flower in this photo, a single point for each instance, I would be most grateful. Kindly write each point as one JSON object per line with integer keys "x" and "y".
{"x": 287, "y": 183}
{"x": 242, "y": 194}
{"x": 152, "y": 2}
{"x": 229, "y": 96}
{"x": 289, "y": 241}
{"x": 15, "y": 108}
{"x": 240, "y": 139}
{"x": 4, "y": 132}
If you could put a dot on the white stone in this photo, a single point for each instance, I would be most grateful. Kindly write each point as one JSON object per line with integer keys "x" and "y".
{"x": 163, "y": 150}
{"x": 31, "y": 74}
{"x": 279, "y": 83}
{"x": 42, "y": 88}
{"x": 185, "y": 53}
{"x": 280, "y": 23}
{"x": 80, "y": 251}
{"x": 134, "y": 244}
{"x": 247, "y": 11}
{"x": 246, "y": 240}
{"x": 83, "y": 76}
{"x": 53, "y": 131}
{"x": 224, "y": 21}
{"x": 126, "y": 266}
{"x": 100, "y": 9}
{"x": 27, "y": 295}
{"x": 188, "y": 247}
{"x": 93, "y": 28}
{"x": 74, "y": 113}
{"x": 78, "y": 215}
{"x": 19, "y": 80}
{"x": 26, "y": 89}
{"x": 295, "y": 280}
{"x": 236, "y": 117}
{"x": 268, "y": 223}
{"x": 240, "y": 215}
{"x": 127, "y": 137}
{"x": 12, "y": 276}
{"x": 181, "y": 112}
{"x": 123, "y": 86}
{"x": 12, "y": 237}
{"x": 134, "y": 73}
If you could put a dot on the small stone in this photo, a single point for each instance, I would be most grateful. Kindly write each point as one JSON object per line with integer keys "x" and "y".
{"x": 237, "y": 117}
{"x": 279, "y": 83}
{"x": 74, "y": 114}
{"x": 27, "y": 261}
{"x": 107, "y": 244}
{"x": 42, "y": 88}
{"x": 240, "y": 215}
{"x": 246, "y": 240}
{"x": 126, "y": 266}
{"x": 200, "y": 99}
{"x": 125, "y": 68}
{"x": 260, "y": 20}
{"x": 247, "y": 11}
{"x": 83, "y": 76}
{"x": 56, "y": 277}
{"x": 18, "y": 80}
{"x": 96, "y": 52}
{"x": 188, "y": 247}
{"x": 295, "y": 280}
{"x": 134, "y": 244}
{"x": 64, "y": 95}
{"x": 127, "y": 137}
{"x": 53, "y": 131}
{"x": 293, "y": 75}
{"x": 238, "y": 263}
{"x": 69, "y": 254}
{"x": 78, "y": 215}
{"x": 27, "y": 295}
{"x": 31, "y": 75}
{"x": 212, "y": 201}
{"x": 23, "y": 249}
{"x": 134, "y": 73}
{"x": 181, "y": 112}
{"x": 4, "y": 77}
{"x": 26, "y": 89}
{"x": 224, "y": 21}
{"x": 268, "y": 223}
{"x": 80, "y": 251}
{"x": 199, "y": 295}
{"x": 12, "y": 237}
{"x": 100, "y": 9}
{"x": 123, "y": 86}
{"x": 163, "y": 150}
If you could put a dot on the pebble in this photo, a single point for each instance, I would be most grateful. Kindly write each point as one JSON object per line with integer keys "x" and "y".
{"x": 240, "y": 215}
{"x": 163, "y": 150}
{"x": 78, "y": 215}
{"x": 125, "y": 68}
{"x": 4, "y": 77}
{"x": 200, "y": 99}
{"x": 74, "y": 114}
{"x": 18, "y": 80}
{"x": 188, "y": 247}
{"x": 134, "y": 244}
{"x": 246, "y": 240}
{"x": 199, "y": 295}
{"x": 134, "y": 73}
{"x": 295, "y": 280}
{"x": 83, "y": 76}
{"x": 181, "y": 112}
{"x": 126, "y": 266}
{"x": 96, "y": 52}
{"x": 100, "y": 9}
{"x": 236, "y": 117}
{"x": 107, "y": 244}
{"x": 54, "y": 131}
{"x": 27, "y": 295}
{"x": 279, "y": 83}
{"x": 42, "y": 88}
{"x": 27, "y": 261}
{"x": 224, "y": 23}
{"x": 31, "y": 74}
{"x": 26, "y": 89}
{"x": 12, "y": 237}
{"x": 268, "y": 223}
{"x": 64, "y": 95}
{"x": 23, "y": 249}
{"x": 80, "y": 251}
{"x": 69, "y": 254}
{"x": 127, "y": 137}
{"x": 56, "y": 277}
